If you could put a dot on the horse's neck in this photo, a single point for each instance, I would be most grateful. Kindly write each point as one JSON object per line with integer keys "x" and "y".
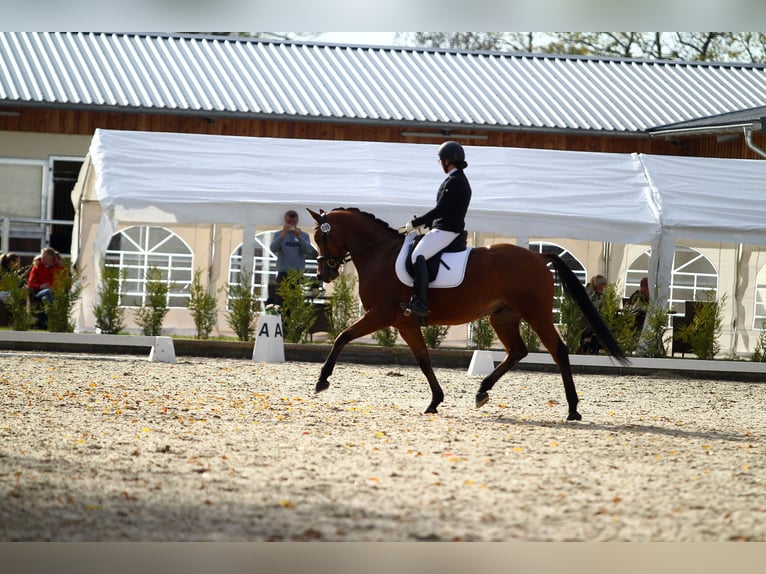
{"x": 373, "y": 247}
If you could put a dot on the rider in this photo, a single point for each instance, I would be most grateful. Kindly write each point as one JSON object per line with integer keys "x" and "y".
{"x": 446, "y": 220}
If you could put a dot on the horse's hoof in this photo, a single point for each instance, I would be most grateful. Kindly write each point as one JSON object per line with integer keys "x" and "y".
{"x": 482, "y": 399}
{"x": 574, "y": 416}
{"x": 430, "y": 411}
{"x": 322, "y": 386}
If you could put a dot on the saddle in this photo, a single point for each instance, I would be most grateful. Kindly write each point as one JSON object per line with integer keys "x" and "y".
{"x": 460, "y": 243}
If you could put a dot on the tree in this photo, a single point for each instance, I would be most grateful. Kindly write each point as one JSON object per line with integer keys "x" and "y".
{"x": 344, "y": 304}
{"x": 298, "y": 313}
{"x": 110, "y": 317}
{"x": 243, "y": 307}
{"x": 203, "y": 306}
{"x": 67, "y": 288}
{"x": 688, "y": 46}
{"x": 462, "y": 40}
{"x": 151, "y": 315}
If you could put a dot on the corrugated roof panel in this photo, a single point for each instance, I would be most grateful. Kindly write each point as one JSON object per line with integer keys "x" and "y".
{"x": 315, "y": 80}
{"x": 490, "y": 101}
{"x": 391, "y": 102}
{"x": 517, "y": 109}
{"x": 94, "y": 57}
{"x": 337, "y": 85}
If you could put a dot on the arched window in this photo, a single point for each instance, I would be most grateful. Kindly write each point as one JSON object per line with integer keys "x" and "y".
{"x": 693, "y": 275}
{"x": 135, "y": 250}
{"x": 572, "y": 262}
{"x": 264, "y": 265}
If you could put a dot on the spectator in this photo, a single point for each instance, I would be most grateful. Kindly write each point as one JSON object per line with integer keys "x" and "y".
{"x": 9, "y": 263}
{"x": 640, "y": 297}
{"x": 292, "y": 247}
{"x": 638, "y": 303}
{"x": 45, "y": 269}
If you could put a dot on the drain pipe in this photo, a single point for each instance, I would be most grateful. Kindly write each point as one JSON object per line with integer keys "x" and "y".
{"x": 748, "y": 131}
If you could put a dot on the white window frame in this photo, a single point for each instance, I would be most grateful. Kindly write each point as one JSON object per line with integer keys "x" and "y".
{"x": 147, "y": 255}
{"x": 697, "y": 280}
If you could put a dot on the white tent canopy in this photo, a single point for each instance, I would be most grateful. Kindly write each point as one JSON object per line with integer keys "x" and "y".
{"x": 167, "y": 178}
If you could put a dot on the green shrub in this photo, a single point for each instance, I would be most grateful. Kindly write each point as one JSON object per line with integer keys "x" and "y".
{"x": 620, "y": 322}
{"x": 151, "y": 315}
{"x": 653, "y": 341}
{"x": 344, "y": 304}
{"x": 703, "y": 332}
{"x": 203, "y": 306}
{"x": 530, "y": 338}
{"x": 482, "y": 333}
{"x": 434, "y": 335}
{"x": 571, "y": 326}
{"x": 15, "y": 300}
{"x": 242, "y": 307}
{"x": 298, "y": 313}
{"x": 759, "y": 353}
{"x": 386, "y": 337}
{"x": 67, "y": 288}
{"x": 110, "y": 316}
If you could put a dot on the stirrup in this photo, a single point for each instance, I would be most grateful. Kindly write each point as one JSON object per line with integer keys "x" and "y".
{"x": 416, "y": 307}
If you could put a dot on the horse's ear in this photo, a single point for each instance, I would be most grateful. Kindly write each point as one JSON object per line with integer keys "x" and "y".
{"x": 317, "y": 216}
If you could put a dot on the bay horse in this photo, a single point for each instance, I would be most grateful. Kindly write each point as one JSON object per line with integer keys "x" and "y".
{"x": 507, "y": 282}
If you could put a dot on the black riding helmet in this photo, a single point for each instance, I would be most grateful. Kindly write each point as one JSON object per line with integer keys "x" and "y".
{"x": 453, "y": 152}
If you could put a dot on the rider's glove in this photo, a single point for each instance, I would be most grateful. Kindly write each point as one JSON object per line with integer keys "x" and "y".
{"x": 409, "y": 228}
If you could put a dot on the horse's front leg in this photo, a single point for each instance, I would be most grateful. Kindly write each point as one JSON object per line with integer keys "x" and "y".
{"x": 368, "y": 323}
{"x": 413, "y": 336}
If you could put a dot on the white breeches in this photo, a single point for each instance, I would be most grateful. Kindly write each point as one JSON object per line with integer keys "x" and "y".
{"x": 433, "y": 242}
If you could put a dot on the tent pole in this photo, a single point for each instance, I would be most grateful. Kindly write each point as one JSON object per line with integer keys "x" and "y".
{"x": 742, "y": 281}
{"x": 248, "y": 249}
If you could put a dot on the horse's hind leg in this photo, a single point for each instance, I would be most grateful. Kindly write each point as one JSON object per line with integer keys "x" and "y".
{"x": 413, "y": 336}
{"x": 505, "y": 322}
{"x": 558, "y": 350}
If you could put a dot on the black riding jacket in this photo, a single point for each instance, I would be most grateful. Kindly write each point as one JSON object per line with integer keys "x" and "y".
{"x": 451, "y": 204}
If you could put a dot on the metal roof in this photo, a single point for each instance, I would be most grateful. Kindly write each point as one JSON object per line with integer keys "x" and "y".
{"x": 720, "y": 122}
{"x": 384, "y": 85}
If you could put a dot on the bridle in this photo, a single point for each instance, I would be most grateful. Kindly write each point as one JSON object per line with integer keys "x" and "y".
{"x": 331, "y": 262}
{"x": 335, "y": 263}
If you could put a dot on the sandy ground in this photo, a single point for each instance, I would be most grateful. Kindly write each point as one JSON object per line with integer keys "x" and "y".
{"x": 118, "y": 448}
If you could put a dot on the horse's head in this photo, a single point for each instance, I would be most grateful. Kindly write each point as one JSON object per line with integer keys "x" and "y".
{"x": 332, "y": 250}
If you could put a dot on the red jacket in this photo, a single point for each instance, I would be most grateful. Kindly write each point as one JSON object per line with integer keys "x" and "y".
{"x": 40, "y": 275}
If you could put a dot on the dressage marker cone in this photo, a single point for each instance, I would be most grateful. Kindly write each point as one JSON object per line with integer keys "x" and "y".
{"x": 481, "y": 363}
{"x": 269, "y": 342}
{"x": 163, "y": 350}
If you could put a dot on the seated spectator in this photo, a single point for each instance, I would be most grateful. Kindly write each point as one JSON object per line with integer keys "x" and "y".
{"x": 45, "y": 269}
{"x": 9, "y": 263}
{"x": 640, "y": 298}
{"x": 638, "y": 303}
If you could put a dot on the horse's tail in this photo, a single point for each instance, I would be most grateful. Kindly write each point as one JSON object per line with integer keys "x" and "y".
{"x": 576, "y": 291}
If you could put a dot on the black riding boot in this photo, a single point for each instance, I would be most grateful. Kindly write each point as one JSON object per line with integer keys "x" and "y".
{"x": 418, "y": 304}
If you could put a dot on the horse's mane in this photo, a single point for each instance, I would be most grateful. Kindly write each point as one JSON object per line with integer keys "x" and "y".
{"x": 369, "y": 215}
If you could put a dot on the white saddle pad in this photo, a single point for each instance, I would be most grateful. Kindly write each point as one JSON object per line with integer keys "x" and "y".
{"x": 445, "y": 278}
